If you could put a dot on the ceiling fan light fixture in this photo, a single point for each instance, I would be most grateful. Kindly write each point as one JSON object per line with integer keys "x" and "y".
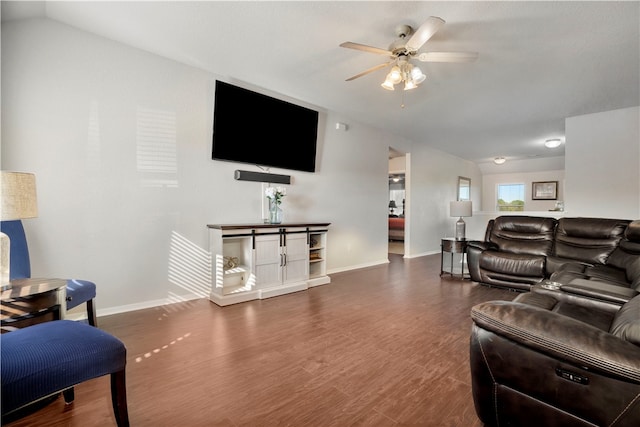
{"x": 499, "y": 160}
{"x": 417, "y": 75}
{"x": 409, "y": 84}
{"x": 552, "y": 143}
{"x": 395, "y": 75}
{"x": 387, "y": 84}
{"x": 401, "y": 51}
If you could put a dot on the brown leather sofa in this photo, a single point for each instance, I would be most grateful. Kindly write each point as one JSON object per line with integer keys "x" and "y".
{"x": 540, "y": 361}
{"x": 593, "y": 258}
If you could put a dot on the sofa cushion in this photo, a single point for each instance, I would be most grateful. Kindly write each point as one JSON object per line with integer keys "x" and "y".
{"x": 523, "y": 234}
{"x": 589, "y": 240}
{"x": 604, "y": 272}
{"x": 570, "y": 271}
{"x": 596, "y": 318}
{"x": 626, "y": 324}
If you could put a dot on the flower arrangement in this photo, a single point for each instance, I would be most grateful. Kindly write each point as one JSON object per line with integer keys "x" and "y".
{"x": 276, "y": 194}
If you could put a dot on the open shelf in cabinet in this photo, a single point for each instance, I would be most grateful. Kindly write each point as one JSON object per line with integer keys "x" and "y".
{"x": 317, "y": 257}
{"x": 237, "y": 258}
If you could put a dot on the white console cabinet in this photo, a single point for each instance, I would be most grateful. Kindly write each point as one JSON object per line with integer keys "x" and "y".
{"x": 257, "y": 261}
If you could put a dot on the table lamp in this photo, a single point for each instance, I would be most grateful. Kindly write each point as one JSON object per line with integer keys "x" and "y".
{"x": 392, "y": 206}
{"x": 17, "y": 201}
{"x": 460, "y": 208}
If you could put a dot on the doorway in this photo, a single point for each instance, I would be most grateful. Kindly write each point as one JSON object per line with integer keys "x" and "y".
{"x": 397, "y": 208}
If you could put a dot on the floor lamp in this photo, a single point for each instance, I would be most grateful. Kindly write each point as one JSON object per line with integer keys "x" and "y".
{"x": 17, "y": 201}
{"x": 460, "y": 208}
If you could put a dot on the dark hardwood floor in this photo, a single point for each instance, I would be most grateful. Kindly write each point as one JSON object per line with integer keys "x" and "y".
{"x": 382, "y": 346}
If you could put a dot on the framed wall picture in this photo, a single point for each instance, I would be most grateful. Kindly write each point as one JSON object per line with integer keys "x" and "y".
{"x": 545, "y": 190}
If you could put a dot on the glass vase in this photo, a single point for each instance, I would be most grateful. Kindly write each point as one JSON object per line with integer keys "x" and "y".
{"x": 275, "y": 212}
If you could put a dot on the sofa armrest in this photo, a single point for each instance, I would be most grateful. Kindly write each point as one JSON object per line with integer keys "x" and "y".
{"x": 599, "y": 290}
{"x": 474, "y": 249}
{"x": 560, "y": 337}
{"x": 480, "y": 245}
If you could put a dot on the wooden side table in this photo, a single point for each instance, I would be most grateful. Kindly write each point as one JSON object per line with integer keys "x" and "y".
{"x": 452, "y": 246}
{"x": 29, "y": 301}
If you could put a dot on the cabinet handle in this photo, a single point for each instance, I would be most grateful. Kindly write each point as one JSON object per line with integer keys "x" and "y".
{"x": 284, "y": 257}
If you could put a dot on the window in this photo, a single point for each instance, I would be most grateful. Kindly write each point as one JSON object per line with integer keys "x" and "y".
{"x": 510, "y": 197}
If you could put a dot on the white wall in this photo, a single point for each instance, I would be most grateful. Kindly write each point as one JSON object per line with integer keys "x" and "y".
{"x": 76, "y": 110}
{"x": 433, "y": 183}
{"x": 397, "y": 165}
{"x": 603, "y": 164}
{"x": 490, "y": 185}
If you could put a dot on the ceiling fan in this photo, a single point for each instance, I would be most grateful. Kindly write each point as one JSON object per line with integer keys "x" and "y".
{"x": 402, "y": 50}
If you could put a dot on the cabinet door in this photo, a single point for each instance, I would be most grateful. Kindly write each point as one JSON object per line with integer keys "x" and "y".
{"x": 268, "y": 265}
{"x": 297, "y": 257}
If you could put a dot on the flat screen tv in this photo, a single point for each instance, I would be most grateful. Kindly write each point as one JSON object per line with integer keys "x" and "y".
{"x": 249, "y": 127}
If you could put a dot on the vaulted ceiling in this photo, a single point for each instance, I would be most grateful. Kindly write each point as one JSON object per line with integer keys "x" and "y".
{"x": 538, "y": 63}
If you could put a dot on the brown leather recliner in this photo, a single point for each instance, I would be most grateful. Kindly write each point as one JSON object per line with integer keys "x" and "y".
{"x": 514, "y": 252}
{"x": 537, "y": 361}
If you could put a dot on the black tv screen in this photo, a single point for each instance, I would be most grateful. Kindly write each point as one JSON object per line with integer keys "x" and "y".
{"x": 249, "y": 127}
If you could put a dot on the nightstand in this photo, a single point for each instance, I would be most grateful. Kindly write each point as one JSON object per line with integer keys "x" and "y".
{"x": 453, "y": 246}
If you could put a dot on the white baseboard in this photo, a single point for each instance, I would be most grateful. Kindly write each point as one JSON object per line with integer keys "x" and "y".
{"x": 355, "y": 267}
{"x": 78, "y": 313}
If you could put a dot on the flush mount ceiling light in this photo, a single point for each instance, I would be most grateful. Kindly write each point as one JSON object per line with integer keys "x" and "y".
{"x": 499, "y": 160}
{"x": 552, "y": 143}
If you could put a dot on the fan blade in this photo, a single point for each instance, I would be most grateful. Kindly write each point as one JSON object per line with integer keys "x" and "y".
{"x": 370, "y": 70}
{"x": 447, "y": 56}
{"x": 424, "y": 33}
{"x": 364, "y": 47}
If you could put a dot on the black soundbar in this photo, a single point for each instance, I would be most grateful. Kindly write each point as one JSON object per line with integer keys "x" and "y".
{"x": 262, "y": 177}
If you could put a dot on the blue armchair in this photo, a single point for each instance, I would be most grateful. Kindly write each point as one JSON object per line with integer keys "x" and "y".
{"x": 78, "y": 291}
{"x": 42, "y": 360}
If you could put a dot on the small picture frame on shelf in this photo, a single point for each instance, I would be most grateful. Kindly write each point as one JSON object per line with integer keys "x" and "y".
{"x": 545, "y": 190}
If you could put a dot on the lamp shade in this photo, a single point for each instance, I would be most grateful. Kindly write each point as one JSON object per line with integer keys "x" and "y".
{"x": 17, "y": 196}
{"x": 387, "y": 84}
{"x": 460, "y": 208}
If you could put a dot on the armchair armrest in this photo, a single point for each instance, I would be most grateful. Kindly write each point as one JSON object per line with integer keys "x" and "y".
{"x": 560, "y": 337}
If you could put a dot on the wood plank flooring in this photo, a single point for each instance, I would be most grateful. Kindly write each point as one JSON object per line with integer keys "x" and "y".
{"x": 382, "y": 346}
